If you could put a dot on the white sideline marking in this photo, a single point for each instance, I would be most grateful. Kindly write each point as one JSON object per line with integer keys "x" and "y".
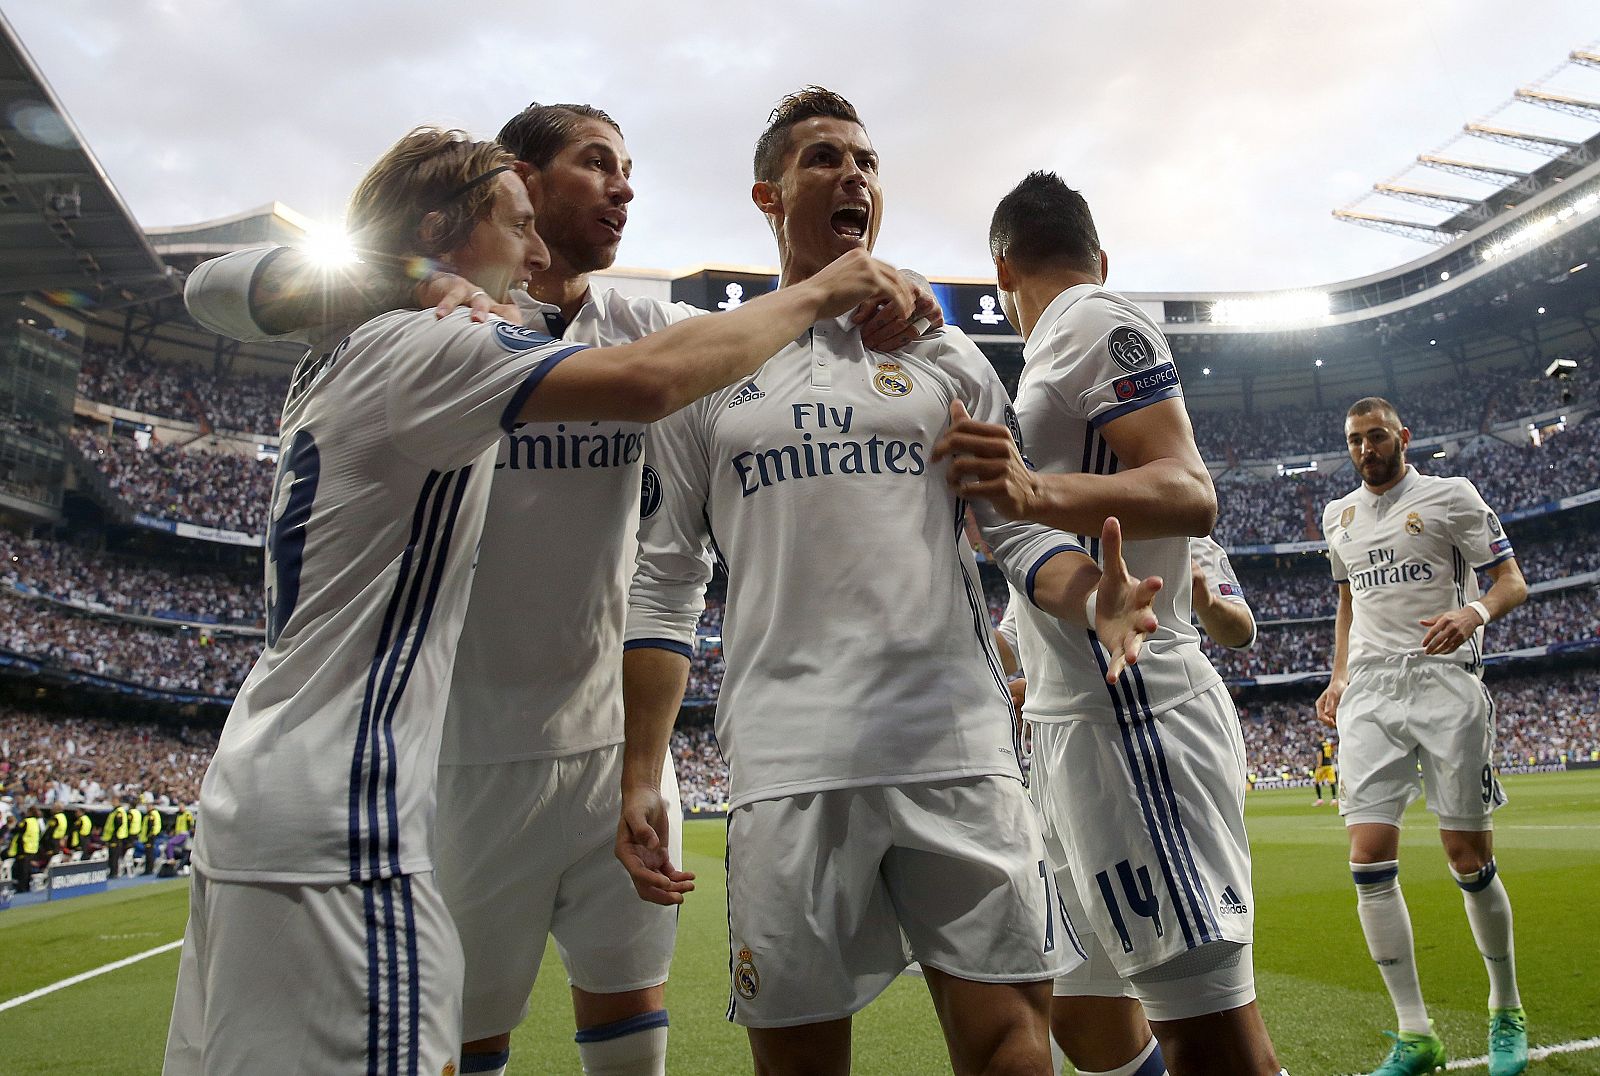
{"x": 113, "y": 966}
{"x": 1534, "y": 1054}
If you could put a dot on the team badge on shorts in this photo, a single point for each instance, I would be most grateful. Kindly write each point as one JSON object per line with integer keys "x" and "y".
{"x": 891, "y": 380}
{"x": 746, "y": 980}
{"x": 1348, "y": 516}
{"x": 1413, "y": 524}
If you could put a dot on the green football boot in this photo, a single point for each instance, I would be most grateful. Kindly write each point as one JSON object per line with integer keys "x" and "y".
{"x": 1508, "y": 1042}
{"x": 1412, "y": 1055}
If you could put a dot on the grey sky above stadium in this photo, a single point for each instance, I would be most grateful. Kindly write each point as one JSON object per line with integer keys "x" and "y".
{"x": 1212, "y": 140}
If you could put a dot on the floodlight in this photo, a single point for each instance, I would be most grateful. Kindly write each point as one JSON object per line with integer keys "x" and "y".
{"x": 329, "y": 247}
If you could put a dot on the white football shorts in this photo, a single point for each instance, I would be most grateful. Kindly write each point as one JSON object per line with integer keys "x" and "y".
{"x": 348, "y": 977}
{"x": 1149, "y": 816}
{"x": 1412, "y": 723}
{"x": 832, "y": 894}
{"x": 523, "y": 851}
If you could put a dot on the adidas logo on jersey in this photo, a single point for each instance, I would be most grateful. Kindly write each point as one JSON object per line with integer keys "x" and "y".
{"x": 746, "y": 394}
{"x": 1230, "y": 904}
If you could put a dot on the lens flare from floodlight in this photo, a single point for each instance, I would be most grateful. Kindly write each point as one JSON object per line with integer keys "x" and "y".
{"x": 1540, "y": 228}
{"x": 1288, "y": 309}
{"x": 330, "y": 248}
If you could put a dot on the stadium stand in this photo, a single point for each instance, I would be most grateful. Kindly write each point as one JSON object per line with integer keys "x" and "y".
{"x": 244, "y": 402}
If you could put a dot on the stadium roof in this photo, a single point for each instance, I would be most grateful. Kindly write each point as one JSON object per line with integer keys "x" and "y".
{"x": 273, "y": 223}
{"x": 66, "y": 230}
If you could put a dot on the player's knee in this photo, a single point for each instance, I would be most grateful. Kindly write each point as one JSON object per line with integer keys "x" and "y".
{"x": 1023, "y": 1051}
{"x": 636, "y": 1046}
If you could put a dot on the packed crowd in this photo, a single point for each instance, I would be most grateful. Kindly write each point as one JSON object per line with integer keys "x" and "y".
{"x": 245, "y": 402}
{"x": 93, "y": 762}
{"x": 1540, "y": 718}
{"x": 1258, "y": 511}
{"x": 1452, "y": 405}
{"x": 101, "y": 580}
{"x": 213, "y": 489}
{"x": 169, "y": 659}
{"x": 1544, "y": 619}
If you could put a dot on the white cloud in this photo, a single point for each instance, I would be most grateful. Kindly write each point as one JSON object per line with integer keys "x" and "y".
{"x": 1212, "y": 140}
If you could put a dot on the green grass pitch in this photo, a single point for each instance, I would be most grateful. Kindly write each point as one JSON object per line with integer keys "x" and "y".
{"x": 1320, "y": 993}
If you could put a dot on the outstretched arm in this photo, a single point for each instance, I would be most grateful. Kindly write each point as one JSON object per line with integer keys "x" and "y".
{"x": 1117, "y": 606}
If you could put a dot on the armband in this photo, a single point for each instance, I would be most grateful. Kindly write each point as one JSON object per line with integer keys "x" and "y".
{"x": 1481, "y": 609}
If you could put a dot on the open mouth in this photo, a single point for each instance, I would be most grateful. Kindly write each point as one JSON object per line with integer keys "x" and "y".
{"x": 851, "y": 221}
{"x": 615, "y": 222}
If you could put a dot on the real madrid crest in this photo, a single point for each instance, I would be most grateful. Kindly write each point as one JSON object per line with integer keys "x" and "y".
{"x": 1413, "y": 524}
{"x": 1348, "y": 516}
{"x": 891, "y": 380}
{"x": 746, "y": 980}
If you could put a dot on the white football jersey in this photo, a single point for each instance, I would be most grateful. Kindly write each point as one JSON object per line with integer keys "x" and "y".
{"x": 1409, "y": 554}
{"x": 1092, "y": 358}
{"x": 539, "y": 669}
{"x": 856, "y": 636}
{"x": 1220, "y": 577}
{"x": 325, "y": 769}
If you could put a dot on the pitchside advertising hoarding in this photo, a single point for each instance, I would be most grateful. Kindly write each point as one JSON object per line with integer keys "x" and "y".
{"x": 78, "y": 879}
{"x": 972, "y": 307}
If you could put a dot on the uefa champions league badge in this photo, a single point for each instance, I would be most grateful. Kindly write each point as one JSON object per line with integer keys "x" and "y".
{"x": 891, "y": 380}
{"x": 1413, "y": 524}
{"x": 746, "y": 980}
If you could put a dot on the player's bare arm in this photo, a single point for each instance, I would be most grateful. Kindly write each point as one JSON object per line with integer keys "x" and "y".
{"x": 653, "y": 682}
{"x": 1328, "y": 701}
{"x": 295, "y": 291}
{"x": 1161, "y": 489}
{"x": 650, "y": 379}
{"x": 1447, "y": 631}
{"x": 1228, "y": 623}
{"x": 1120, "y": 611}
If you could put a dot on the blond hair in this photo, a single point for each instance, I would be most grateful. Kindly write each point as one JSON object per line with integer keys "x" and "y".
{"x": 425, "y": 195}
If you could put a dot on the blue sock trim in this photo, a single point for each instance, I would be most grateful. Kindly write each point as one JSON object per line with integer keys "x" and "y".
{"x": 618, "y": 1028}
{"x": 1154, "y": 1065}
{"x": 1387, "y": 874}
{"x": 1479, "y": 882}
{"x": 485, "y": 1062}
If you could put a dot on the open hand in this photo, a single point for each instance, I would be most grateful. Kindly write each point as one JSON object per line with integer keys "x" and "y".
{"x": 642, "y": 848}
{"x": 1123, "y": 616}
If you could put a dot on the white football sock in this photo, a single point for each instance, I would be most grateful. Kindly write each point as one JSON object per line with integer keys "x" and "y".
{"x": 636, "y": 1046}
{"x": 1489, "y": 912}
{"x": 1387, "y": 926}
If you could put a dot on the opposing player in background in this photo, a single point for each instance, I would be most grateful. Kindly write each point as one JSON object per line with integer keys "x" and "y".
{"x": 866, "y": 725}
{"x": 317, "y": 940}
{"x": 1142, "y": 779}
{"x": 1407, "y": 691}
{"x": 1324, "y": 772}
{"x": 530, "y": 759}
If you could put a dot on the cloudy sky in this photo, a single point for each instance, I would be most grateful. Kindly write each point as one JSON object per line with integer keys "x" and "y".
{"x": 1212, "y": 139}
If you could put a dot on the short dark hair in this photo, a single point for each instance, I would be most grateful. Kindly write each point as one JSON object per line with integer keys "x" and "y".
{"x": 539, "y": 132}
{"x": 1044, "y": 221}
{"x": 1369, "y": 404}
{"x": 804, "y": 104}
